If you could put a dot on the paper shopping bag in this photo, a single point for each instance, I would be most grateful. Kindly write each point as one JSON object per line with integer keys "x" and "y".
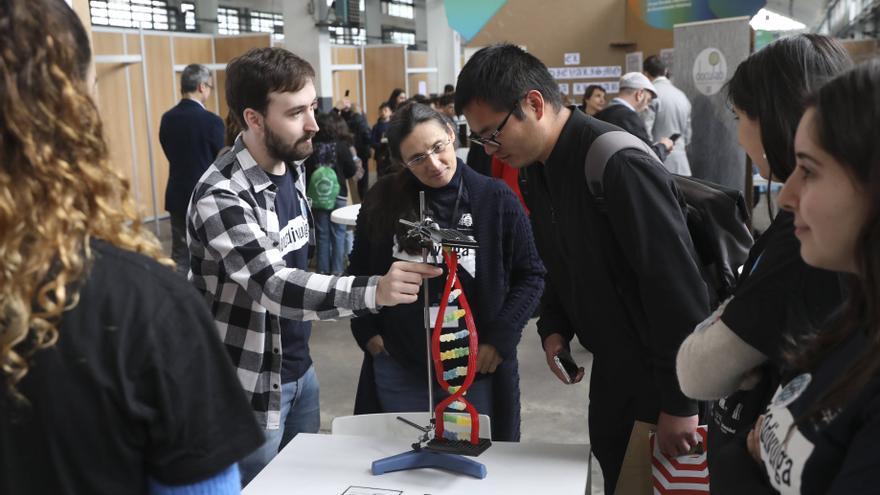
{"x": 635, "y": 473}
{"x": 682, "y": 475}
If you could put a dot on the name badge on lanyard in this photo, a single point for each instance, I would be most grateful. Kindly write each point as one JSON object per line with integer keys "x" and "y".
{"x": 450, "y": 319}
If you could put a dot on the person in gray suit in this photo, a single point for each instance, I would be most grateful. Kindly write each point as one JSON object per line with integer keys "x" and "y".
{"x": 671, "y": 115}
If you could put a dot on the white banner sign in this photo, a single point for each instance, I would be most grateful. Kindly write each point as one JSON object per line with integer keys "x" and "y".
{"x": 634, "y": 62}
{"x": 572, "y": 58}
{"x": 585, "y": 72}
{"x": 608, "y": 86}
{"x": 563, "y": 88}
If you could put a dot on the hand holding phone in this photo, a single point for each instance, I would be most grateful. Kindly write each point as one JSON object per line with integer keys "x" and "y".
{"x": 674, "y": 137}
{"x": 567, "y": 366}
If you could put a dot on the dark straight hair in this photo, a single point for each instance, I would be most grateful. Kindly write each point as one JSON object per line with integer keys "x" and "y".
{"x": 252, "y": 76}
{"x": 592, "y": 88}
{"x": 396, "y": 195}
{"x": 654, "y": 66}
{"x": 772, "y": 87}
{"x": 501, "y": 74}
{"x": 392, "y": 98}
{"x": 847, "y": 113}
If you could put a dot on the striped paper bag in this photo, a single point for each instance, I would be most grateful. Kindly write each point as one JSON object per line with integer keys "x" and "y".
{"x": 683, "y": 475}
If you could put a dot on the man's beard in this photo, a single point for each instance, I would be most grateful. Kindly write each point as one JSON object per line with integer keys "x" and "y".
{"x": 285, "y": 152}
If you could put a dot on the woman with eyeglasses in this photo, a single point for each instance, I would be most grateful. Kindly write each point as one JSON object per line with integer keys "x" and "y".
{"x": 502, "y": 278}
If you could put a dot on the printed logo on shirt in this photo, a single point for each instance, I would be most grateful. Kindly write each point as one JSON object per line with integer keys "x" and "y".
{"x": 467, "y": 257}
{"x": 784, "y": 450}
{"x": 466, "y": 220}
{"x": 792, "y": 390}
{"x": 294, "y": 235}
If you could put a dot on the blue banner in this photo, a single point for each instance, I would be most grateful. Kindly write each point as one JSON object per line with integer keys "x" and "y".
{"x": 469, "y": 16}
{"x": 664, "y": 14}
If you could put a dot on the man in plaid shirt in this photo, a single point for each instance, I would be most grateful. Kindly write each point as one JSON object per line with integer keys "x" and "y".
{"x": 249, "y": 229}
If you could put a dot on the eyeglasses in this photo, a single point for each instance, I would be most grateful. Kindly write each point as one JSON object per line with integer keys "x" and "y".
{"x": 422, "y": 158}
{"x": 490, "y": 141}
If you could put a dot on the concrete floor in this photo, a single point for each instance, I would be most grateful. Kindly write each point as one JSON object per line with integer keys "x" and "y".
{"x": 552, "y": 412}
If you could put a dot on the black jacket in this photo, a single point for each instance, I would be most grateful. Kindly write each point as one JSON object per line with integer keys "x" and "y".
{"x": 625, "y": 281}
{"x": 360, "y": 129}
{"x": 191, "y": 137}
{"x": 624, "y": 117}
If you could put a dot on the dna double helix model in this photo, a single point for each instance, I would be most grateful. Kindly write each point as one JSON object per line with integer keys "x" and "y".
{"x": 464, "y": 344}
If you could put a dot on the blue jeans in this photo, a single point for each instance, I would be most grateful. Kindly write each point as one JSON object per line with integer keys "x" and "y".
{"x": 400, "y": 390}
{"x": 330, "y": 240}
{"x": 300, "y": 413}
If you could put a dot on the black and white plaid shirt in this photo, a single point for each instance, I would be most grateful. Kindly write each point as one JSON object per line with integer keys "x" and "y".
{"x": 237, "y": 264}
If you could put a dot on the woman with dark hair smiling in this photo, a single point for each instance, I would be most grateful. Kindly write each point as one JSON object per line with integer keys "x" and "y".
{"x": 502, "y": 278}
{"x": 735, "y": 357}
{"x": 820, "y": 432}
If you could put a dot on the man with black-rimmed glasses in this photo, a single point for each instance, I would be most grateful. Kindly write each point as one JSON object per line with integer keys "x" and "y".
{"x": 622, "y": 278}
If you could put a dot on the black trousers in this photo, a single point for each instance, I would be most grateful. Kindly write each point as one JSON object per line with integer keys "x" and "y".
{"x": 621, "y": 391}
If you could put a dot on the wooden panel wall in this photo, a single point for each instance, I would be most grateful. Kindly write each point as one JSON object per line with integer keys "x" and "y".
{"x": 384, "y": 69}
{"x": 349, "y": 79}
{"x": 113, "y": 104}
{"x": 126, "y": 127}
{"x": 228, "y": 47}
{"x": 225, "y": 49}
{"x": 142, "y": 185}
{"x": 418, "y": 60}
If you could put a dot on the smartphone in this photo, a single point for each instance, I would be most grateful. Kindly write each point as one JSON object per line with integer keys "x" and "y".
{"x": 674, "y": 137}
{"x": 566, "y": 365}
{"x": 346, "y": 93}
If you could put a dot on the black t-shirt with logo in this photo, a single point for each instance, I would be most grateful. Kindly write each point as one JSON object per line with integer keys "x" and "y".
{"x": 833, "y": 452}
{"x": 137, "y": 386}
{"x": 779, "y": 298}
{"x": 293, "y": 221}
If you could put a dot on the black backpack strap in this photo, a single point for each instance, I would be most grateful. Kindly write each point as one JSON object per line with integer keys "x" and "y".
{"x": 601, "y": 150}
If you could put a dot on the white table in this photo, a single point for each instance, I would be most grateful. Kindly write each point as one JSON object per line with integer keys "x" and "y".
{"x": 337, "y": 464}
{"x": 347, "y": 215}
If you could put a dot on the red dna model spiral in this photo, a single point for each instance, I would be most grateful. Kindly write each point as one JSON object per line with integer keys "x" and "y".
{"x": 453, "y": 283}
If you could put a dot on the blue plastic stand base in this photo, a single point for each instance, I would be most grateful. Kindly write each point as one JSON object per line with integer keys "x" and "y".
{"x": 417, "y": 459}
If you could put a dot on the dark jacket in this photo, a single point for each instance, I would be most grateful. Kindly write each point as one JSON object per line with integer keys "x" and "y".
{"x": 360, "y": 129}
{"x": 380, "y": 147}
{"x": 191, "y": 137}
{"x": 625, "y": 280}
{"x": 508, "y": 284}
{"x": 624, "y": 117}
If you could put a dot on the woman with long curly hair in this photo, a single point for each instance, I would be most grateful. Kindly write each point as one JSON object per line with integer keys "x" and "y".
{"x": 113, "y": 378}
